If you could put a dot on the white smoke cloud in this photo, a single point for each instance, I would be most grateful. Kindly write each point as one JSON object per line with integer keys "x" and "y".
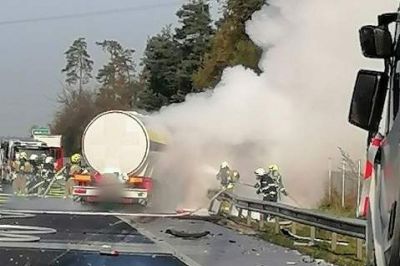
{"x": 293, "y": 114}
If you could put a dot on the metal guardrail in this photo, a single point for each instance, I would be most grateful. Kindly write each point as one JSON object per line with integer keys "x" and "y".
{"x": 344, "y": 226}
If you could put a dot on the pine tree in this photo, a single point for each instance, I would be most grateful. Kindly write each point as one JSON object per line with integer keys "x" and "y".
{"x": 194, "y": 41}
{"x": 160, "y": 61}
{"x": 116, "y": 77}
{"x": 79, "y": 65}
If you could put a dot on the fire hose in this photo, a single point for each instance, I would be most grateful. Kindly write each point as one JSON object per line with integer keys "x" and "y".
{"x": 21, "y": 233}
{"x": 288, "y": 195}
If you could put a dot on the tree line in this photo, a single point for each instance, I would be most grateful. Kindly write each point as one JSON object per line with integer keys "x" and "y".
{"x": 177, "y": 61}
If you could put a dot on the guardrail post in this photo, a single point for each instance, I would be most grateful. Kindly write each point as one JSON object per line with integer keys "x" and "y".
{"x": 312, "y": 235}
{"x": 261, "y": 222}
{"x": 294, "y": 230}
{"x": 240, "y": 213}
{"x": 219, "y": 206}
{"x": 230, "y": 209}
{"x": 359, "y": 248}
{"x": 248, "y": 218}
{"x": 277, "y": 225}
{"x": 334, "y": 242}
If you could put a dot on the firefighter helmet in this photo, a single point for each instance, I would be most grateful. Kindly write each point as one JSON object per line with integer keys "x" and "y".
{"x": 23, "y": 156}
{"x": 224, "y": 165}
{"x": 49, "y": 160}
{"x": 260, "y": 172}
{"x": 273, "y": 167}
{"x": 76, "y": 158}
{"x": 33, "y": 157}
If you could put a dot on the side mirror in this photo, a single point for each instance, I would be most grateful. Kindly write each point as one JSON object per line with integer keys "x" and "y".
{"x": 376, "y": 42}
{"x": 368, "y": 99}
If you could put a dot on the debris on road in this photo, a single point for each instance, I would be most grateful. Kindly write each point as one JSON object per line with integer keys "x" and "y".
{"x": 187, "y": 235}
{"x": 307, "y": 259}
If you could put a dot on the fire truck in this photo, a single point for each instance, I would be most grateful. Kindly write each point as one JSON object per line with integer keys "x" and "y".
{"x": 11, "y": 146}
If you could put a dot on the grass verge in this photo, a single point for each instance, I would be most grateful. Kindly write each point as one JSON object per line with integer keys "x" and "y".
{"x": 344, "y": 255}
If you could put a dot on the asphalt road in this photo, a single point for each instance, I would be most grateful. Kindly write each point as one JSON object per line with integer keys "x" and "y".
{"x": 222, "y": 247}
{"x": 80, "y": 240}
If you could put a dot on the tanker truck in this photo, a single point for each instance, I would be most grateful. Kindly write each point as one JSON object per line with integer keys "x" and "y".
{"x": 120, "y": 149}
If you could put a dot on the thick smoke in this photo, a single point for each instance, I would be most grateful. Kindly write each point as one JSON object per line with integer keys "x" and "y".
{"x": 293, "y": 114}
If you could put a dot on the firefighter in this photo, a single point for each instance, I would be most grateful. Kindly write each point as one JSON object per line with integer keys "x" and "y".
{"x": 49, "y": 164}
{"x": 76, "y": 164}
{"x": 35, "y": 168}
{"x": 72, "y": 169}
{"x": 224, "y": 174}
{"x": 34, "y": 161}
{"x": 233, "y": 179}
{"x": 227, "y": 177}
{"x": 42, "y": 159}
{"x": 273, "y": 171}
{"x": 15, "y": 163}
{"x": 24, "y": 165}
{"x": 235, "y": 176}
{"x": 23, "y": 170}
{"x": 266, "y": 185}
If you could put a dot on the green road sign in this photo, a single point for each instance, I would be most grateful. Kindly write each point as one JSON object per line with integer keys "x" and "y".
{"x": 41, "y": 131}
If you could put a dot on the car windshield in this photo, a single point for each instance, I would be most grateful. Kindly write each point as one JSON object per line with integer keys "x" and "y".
{"x": 196, "y": 132}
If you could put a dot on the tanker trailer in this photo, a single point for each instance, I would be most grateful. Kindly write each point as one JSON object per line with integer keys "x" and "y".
{"x": 119, "y": 146}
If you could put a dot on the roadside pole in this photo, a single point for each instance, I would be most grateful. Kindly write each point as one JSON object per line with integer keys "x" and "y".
{"x": 358, "y": 187}
{"x": 343, "y": 182}
{"x": 330, "y": 179}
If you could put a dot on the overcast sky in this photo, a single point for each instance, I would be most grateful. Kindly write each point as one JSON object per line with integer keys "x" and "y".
{"x": 32, "y": 53}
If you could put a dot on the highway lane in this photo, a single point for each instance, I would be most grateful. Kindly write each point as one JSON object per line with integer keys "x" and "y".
{"x": 81, "y": 238}
{"x": 85, "y": 235}
{"x": 222, "y": 247}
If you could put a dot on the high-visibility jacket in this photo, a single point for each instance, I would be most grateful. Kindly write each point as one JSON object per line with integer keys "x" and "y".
{"x": 22, "y": 166}
{"x": 267, "y": 186}
{"x": 228, "y": 177}
{"x": 278, "y": 180}
{"x": 224, "y": 176}
{"x": 75, "y": 169}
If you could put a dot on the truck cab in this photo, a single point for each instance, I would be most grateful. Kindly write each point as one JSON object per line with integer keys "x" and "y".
{"x": 374, "y": 108}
